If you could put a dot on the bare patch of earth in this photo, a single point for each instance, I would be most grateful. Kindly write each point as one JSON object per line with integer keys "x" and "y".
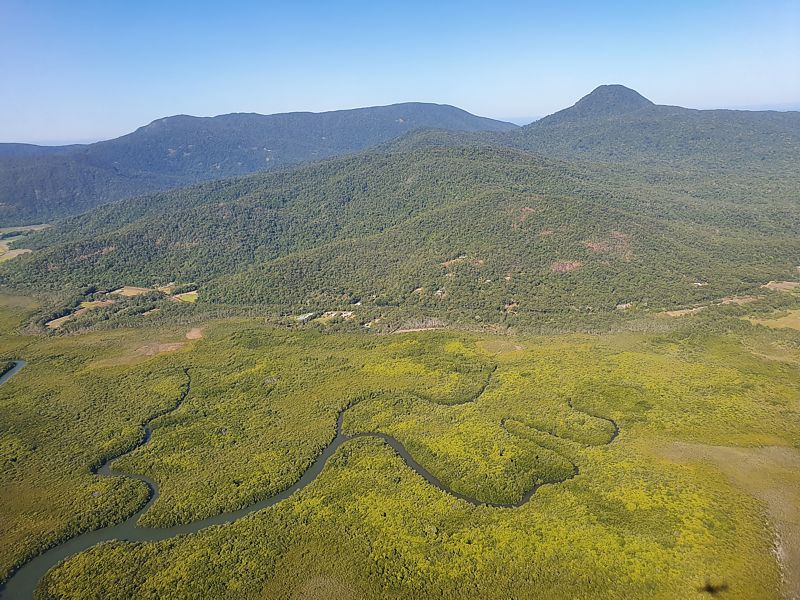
{"x": 129, "y": 291}
{"x": 85, "y": 307}
{"x": 522, "y": 216}
{"x": 683, "y": 312}
{"x": 790, "y": 320}
{"x": 782, "y": 286}
{"x": 194, "y": 333}
{"x": 739, "y": 299}
{"x": 617, "y": 243}
{"x": 9, "y": 254}
{"x": 563, "y": 266}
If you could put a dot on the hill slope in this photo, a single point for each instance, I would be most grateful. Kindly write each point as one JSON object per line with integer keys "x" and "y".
{"x": 617, "y": 124}
{"x": 40, "y": 183}
{"x": 461, "y": 232}
{"x": 470, "y": 224}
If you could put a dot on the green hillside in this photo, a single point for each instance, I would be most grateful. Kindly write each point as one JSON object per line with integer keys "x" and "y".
{"x": 613, "y": 206}
{"x": 555, "y": 361}
{"x": 41, "y": 183}
{"x": 616, "y": 124}
{"x": 462, "y": 232}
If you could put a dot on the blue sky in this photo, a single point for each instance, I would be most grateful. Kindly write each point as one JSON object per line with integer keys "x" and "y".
{"x": 84, "y": 70}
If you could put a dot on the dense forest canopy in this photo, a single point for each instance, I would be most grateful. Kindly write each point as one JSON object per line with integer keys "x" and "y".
{"x": 38, "y": 183}
{"x": 603, "y": 207}
{"x": 493, "y": 232}
{"x": 612, "y": 124}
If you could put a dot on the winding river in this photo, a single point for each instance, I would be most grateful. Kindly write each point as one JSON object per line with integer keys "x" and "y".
{"x": 18, "y": 364}
{"x": 24, "y": 580}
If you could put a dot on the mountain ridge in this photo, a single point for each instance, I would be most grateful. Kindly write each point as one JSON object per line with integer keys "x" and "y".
{"x": 605, "y": 100}
{"x": 38, "y": 185}
{"x": 616, "y": 124}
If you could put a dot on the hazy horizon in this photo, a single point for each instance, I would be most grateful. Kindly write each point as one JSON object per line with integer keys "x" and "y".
{"x": 521, "y": 121}
{"x": 90, "y": 70}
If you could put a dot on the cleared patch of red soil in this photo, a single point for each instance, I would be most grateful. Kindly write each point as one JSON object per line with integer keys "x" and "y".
{"x": 565, "y": 266}
{"x": 523, "y": 215}
{"x": 194, "y": 334}
{"x": 617, "y": 243}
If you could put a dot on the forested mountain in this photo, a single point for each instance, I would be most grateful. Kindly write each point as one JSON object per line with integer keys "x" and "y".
{"x": 663, "y": 207}
{"x": 617, "y": 124}
{"x": 611, "y": 124}
{"x": 460, "y": 231}
{"x": 40, "y": 183}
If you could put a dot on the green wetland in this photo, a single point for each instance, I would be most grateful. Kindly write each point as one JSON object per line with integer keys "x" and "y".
{"x": 248, "y": 460}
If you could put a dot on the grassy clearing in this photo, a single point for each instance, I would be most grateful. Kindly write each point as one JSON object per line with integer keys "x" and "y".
{"x": 6, "y": 254}
{"x": 95, "y": 303}
{"x": 56, "y": 323}
{"x": 772, "y": 475}
{"x": 789, "y": 320}
{"x": 195, "y": 333}
{"x": 782, "y": 286}
{"x": 129, "y": 291}
{"x": 14, "y": 310}
{"x": 9, "y": 235}
{"x": 23, "y": 228}
{"x": 85, "y": 307}
{"x": 190, "y": 297}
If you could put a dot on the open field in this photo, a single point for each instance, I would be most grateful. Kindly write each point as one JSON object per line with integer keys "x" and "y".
{"x": 618, "y": 430}
{"x": 6, "y": 254}
{"x": 130, "y": 291}
{"x": 23, "y": 228}
{"x": 186, "y": 297}
{"x": 772, "y": 475}
{"x": 8, "y": 235}
{"x": 85, "y": 307}
{"x": 791, "y": 320}
{"x": 782, "y": 286}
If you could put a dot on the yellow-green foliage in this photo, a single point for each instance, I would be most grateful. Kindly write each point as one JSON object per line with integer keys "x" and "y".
{"x": 264, "y": 403}
{"x": 488, "y": 421}
{"x": 190, "y": 297}
{"x": 369, "y": 525}
{"x": 463, "y": 446}
{"x": 59, "y": 417}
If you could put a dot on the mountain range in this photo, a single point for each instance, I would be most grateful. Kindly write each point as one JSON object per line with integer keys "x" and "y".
{"x": 609, "y": 207}
{"x": 38, "y": 183}
{"x": 617, "y": 124}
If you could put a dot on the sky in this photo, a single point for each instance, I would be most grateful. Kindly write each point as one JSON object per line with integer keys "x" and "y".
{"x": 80, "y": 70}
